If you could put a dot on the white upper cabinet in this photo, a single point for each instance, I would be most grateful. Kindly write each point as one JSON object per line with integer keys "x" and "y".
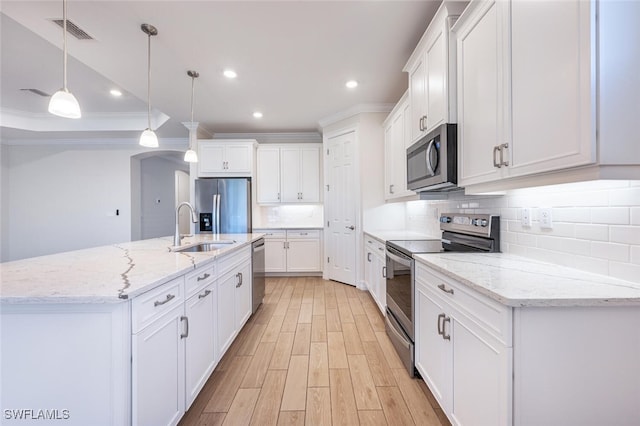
{"x": 396, "y": 140}
{"x": 289, "y": 173}
{"x": 431, "y": 69}
{"x": 225, "y": 157}
{"x": 527, "y": 104}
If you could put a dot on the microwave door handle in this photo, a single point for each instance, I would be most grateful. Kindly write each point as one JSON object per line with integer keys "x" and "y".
{"x": 428, "y": 159}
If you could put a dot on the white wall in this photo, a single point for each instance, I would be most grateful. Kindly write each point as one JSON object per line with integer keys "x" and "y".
{"x": 596, "y": 225}
{"x": 157, "y": 176}
{"x": 4, "y": 200}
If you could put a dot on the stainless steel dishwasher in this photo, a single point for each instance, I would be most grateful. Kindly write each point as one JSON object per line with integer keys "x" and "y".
{"x": 257, "y": 267}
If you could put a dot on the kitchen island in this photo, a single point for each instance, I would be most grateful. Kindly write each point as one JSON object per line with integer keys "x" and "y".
{"x": 121, "y": 334}
{"x": 507, "y": 340}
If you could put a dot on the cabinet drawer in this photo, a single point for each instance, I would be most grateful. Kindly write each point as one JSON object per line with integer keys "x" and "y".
{"x": 492, "y": 316}
{"x": 230, "y": 261}
{"x": 151, "y": 305}
{"x": 305, "y": 234}
{"x": 273, "y": 234}
{"x": 198, "y": 279}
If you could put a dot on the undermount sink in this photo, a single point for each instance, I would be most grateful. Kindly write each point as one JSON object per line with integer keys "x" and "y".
{"x": 205, "y": 246}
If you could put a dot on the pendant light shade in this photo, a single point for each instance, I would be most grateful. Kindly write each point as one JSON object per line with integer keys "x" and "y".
{"x": 191, "y": 156}
{"x": 63, "y": 103}
{"x": 148, "y": 138}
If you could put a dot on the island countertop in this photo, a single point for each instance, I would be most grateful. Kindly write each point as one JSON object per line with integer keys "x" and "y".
{"x": 518, "y": 281}
{"x": 107, "y": 274}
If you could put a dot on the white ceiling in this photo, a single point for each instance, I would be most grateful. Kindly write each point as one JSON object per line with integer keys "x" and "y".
{"x": 292, "y": 60}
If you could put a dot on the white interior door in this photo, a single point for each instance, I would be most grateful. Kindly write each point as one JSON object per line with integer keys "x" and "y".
{"x": 342, "y": 209}
{"x": 182, "y": 194}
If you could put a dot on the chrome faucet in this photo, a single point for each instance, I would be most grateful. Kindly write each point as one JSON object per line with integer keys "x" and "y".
{"x": 194, "y": 219}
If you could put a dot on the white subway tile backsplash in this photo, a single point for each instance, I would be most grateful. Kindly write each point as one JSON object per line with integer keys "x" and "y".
{"x": 592, "y": 232}
{"x": 590, "y": 264}
{"x": 625, "y": 271}
{"x": 625, "y": 234}
{"x": 610, "y": 215}
{"x": 529, "y": 240}
{"x": 611, "y": 251}
{"x": 635, "y": 215}
{"x": 570, "y": 214}
{"x": 559, "y": 229}
{"x": 565, "y": 245}
{"x": 624, "y": 197}
{"x": 635, "y": 254}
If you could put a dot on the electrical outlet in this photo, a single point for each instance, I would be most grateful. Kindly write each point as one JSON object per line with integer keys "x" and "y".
{"x": 526, "y": 217}
{"x": 546, "y": 220}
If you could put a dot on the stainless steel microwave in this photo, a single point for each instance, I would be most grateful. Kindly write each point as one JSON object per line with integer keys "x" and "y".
{"x": 432, "y": 161}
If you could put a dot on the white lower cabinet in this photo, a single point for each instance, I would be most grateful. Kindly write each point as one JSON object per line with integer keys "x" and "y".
{"x": 293, "y": 250}
{"x": 180, "y": 331}
{"x": 375, "y": 271}
{"x": 463, "y": 351}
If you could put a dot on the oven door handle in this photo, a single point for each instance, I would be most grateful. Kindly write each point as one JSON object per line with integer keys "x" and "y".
{"x": 401, "y": 260}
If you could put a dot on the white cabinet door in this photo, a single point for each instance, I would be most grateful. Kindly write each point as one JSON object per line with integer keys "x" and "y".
{"x": 551, "y": 78}
{"x": 268, "y": 179}
{"x": 380, "y": 281}
{"x": 480, "y": 91}
{"x": 417, "y": 98}
{"x": 389, "y": 161}
{"x": 243, "y": 294}
{"x": 200, "y": 351}
{"x": 290, "y": 174}
{"x": 275, "y": 255}
{"x": 158, "y": 371}
{"x": 303, "y": 255}
{"x": 310, "y": 175}
{"x": 226, "y": 319}
{"x": 436, "y": 80}
{"x": 238, "y": 157}
{"x": 481, "y": 378}
{"x": 433, "y": 353}
{"x": 211, "y": 158}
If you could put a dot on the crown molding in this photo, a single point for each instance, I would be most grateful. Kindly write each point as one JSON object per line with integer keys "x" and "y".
{"x": 354, "y": 110}
{"x": 90, "y": 122}
{"x": 279, "y": 138}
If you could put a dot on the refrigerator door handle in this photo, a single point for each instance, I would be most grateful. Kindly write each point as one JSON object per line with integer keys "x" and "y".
{"x": 217, "y": 230}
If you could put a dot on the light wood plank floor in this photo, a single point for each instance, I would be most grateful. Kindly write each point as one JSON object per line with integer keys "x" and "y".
{"x": 315, "y": 353}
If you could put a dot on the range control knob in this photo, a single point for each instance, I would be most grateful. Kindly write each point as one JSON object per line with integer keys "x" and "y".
{"x": 475, "y": 222}
{"x": 484, "y": 222}
{"x": 445, "y": 219}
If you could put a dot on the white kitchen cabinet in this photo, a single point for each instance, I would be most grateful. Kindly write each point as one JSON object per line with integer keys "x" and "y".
{"x": 158, "y": 355}
{"x": 201, "y": 355}
{"x": 234, "y": 296}
{"x": 292, "y": 251}
{"x": 225, "y": 158}
{"x": 396, "y": 139}
{"x": 289, "y": 173}
{"x": 463, "y": 350}
{"x": 268, "y": 174}
{"x": 528, "y": 112}
{"x": 375, "y": 271}
{"x": 431, "y": 70}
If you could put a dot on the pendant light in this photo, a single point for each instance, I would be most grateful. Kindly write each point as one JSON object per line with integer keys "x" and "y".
{"x": 63, "y": 103}
{"x": 191, "y": 156}
{"x": 148, "y": 137}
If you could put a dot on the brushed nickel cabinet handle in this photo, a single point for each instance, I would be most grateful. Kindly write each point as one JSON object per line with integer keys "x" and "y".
{"x": 440, "y": 329}
{"x": 169, "y": 297}
{"x": 205, "y": 294}
{"x": 443, "y": 288}
{"x": 495, "y": 162}
{"x": 204, "y": 277}
{"x": 446, "y": 336}
{"x": 502, "y": 148}
{"x": 186, "y": 332}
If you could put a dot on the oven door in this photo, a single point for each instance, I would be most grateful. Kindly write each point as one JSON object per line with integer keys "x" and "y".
{"x": 400, "y": 289}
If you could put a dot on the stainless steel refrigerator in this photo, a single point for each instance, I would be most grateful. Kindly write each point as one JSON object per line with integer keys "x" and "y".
{"x": 223, "y": 205}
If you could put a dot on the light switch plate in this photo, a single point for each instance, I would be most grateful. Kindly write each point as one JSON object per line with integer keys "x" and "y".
{"x": 546, "y": 219}
{"x": 526, "y": 217}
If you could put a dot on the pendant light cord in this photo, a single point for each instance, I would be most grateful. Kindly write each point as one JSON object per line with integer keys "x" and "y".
{"x": 64, "y": 45}
{"x": 193, "y": 82}
{"x": 149, "y": 81}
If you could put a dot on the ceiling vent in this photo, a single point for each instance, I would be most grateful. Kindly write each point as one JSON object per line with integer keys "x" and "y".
{"x": 73, "y": 29}
{"x": 37, "y": 92}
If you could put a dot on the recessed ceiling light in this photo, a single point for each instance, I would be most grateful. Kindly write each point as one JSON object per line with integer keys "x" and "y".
{"x": 115, "y": 92}
{"x": 230, "y": 74}
{"x": 257, "y": 114}
{"x": 351, "y": 84}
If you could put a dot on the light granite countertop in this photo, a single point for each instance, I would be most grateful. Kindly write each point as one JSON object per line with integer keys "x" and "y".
{"x": 107, "y": 274}
{"x": 384, "y": 236}
{"x": 518, "y": 281}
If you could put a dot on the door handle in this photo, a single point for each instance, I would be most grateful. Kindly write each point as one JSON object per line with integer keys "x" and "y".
{"x": 391, "y": 189}
{"x": 186, "y": 332}
{"x": 350, "y": 227}
{"x": 384, "y": 272}
{"x": 368, "y": 257}
{"x": 495, "y": 162}
{"x": 205, "y": 294}
{"x": 446, "y": 336}
{"x": 169, "y": 297}
{"x": 502, "y": 148}
{"x": 440, "y": 328}
{"x": 443, "y": 288}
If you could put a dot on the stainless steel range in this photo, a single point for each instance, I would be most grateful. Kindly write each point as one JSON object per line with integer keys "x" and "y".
{"x": 460, "y": 233}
